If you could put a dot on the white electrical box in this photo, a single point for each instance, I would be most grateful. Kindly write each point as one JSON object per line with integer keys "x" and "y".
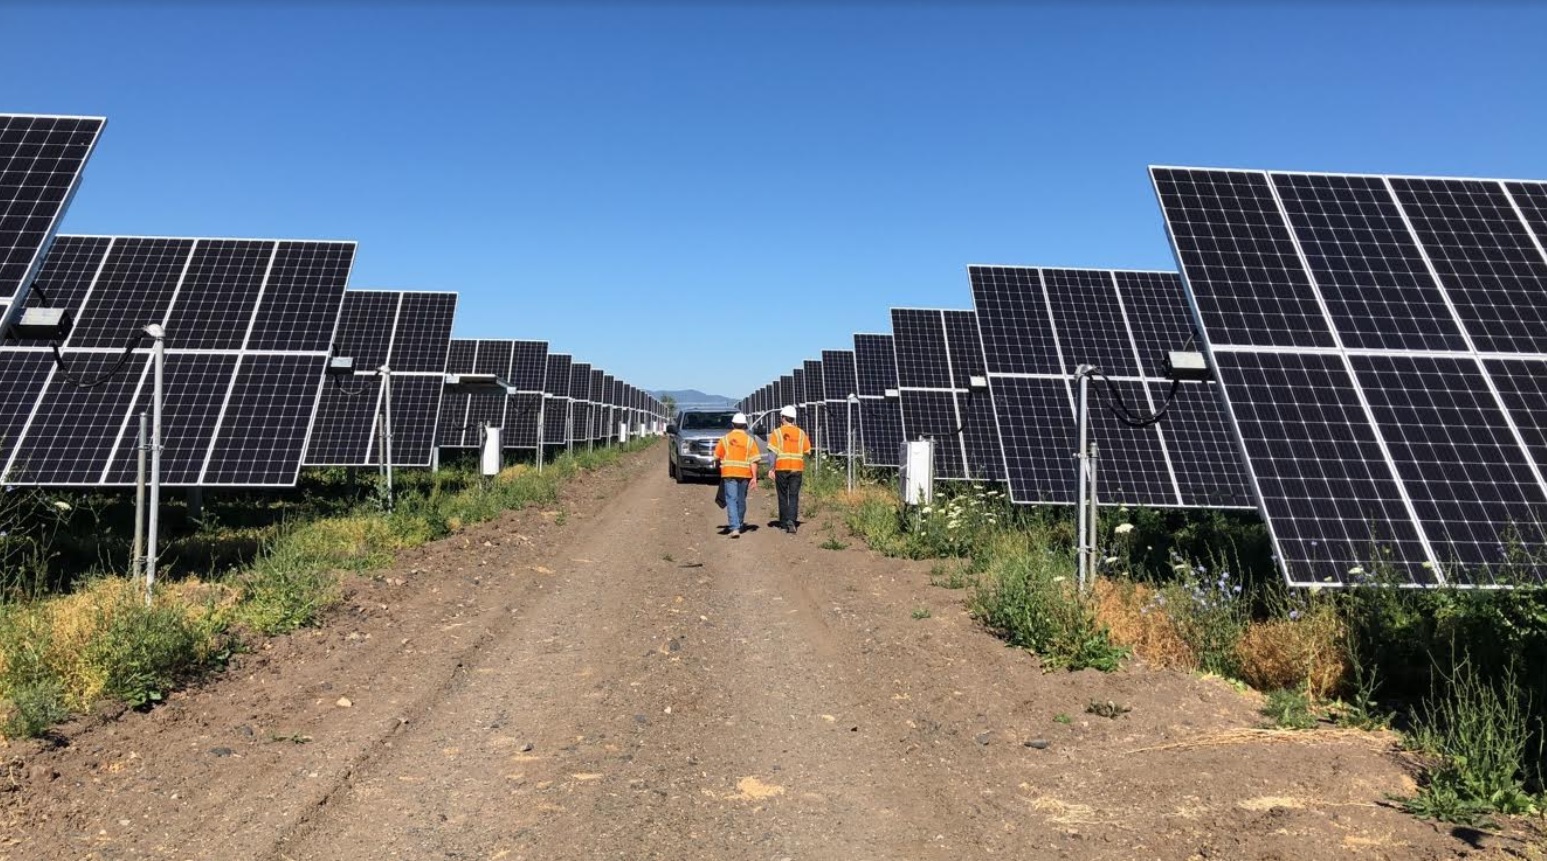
{"x": 489, "y": 459}
{"x": 918, "y": 472}
{"x": 622, "y": 432}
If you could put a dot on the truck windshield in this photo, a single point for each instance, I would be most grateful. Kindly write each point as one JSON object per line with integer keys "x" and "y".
{"x": 706, "y": 421}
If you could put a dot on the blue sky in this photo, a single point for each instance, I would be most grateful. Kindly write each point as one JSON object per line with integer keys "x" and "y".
{"x": 701, "y": 194}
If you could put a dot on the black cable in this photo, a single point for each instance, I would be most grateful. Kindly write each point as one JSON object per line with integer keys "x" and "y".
{"x": 1124, "y": 413}
{"x": 112, "y": 372}
{"x": 339, "y": 382}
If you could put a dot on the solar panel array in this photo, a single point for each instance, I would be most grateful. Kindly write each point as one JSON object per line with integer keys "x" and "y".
{"x": 1381, "y": 345}
{"x": 936, "y": 354}
{"x": 1038, "y": 326}
{"x": 408, "y": 333}
{"x": 880, "y": 415}
{"x": 248, "y": 326}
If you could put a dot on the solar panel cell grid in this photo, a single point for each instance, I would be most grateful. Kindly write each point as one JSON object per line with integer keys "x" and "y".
{"x": 529, "y": 365}
{"x": 1088, "y": 318}
{"x": 918, "y": 337}
{"x": 1235, "y": 247}
{"x": 67, "y": 272}
{"x": 423, "y": 334}
{"x": 263, "y": 434}
{"x": 301, "y": 299}
{"x": 73, "y": 430}
{"x": 135, "y": 287}
{"x": 459, "y": 357}
{"x": 41, "y": 159}
{"x": 217, "y": 294}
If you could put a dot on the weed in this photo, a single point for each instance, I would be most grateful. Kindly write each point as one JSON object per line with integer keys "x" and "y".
{"x": 1289, "y": 709}
{"x": 1026, "y": 598}
{"x": 833, "y": 544}
{"x": 667, "y": 557}
{"x": 921, "y": 613}
{"x": 1063, "y": 719}
{"x": 1478, "y": 734}
{"x": 950, "y": 576}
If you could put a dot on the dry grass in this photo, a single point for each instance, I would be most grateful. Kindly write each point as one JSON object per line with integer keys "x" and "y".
{"x": 1151, "y": 634}
{"x": 68, "y": 635}
{"x": 1306, "y": 654}
{"x": 1238, "y": 736}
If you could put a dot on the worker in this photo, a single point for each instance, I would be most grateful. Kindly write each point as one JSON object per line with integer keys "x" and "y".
{"x": 789, "y": 446}
{"x": 737, "y": 454}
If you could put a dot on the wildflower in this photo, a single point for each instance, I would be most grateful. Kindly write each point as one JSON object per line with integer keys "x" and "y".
{"x": 1428, "y": 565}
{"x": 1236, "y": 588}
{"x": 1111, "y": 559}
{"x": 1123, "y": 528}
{"x": 61, "y": 505}
{"x": 1356, "y": 570}
{"x": 1294, "y": 615}
{"x": 1058, "y": 579}
{"x": 926, "y": 509}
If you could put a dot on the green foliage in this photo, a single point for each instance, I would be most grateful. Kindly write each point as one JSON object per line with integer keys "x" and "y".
{"x": 1288, "y": 709}
{"x": 1026, "y": 597}
{"x": 146, "y": 651}
{"x": 921, "y": 613}
{"x": 32, "y": 707}
{"x": 1479, "y": 733}
{"x": 833, "y": 543}
{"x": 1063, "y": 719}
{"x": 1211, "y": 611}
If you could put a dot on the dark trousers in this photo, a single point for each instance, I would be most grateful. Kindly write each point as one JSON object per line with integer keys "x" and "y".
{"x": 788, "y": 485}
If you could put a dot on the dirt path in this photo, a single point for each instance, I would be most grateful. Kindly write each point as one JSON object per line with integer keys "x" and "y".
{"x": 622, "y": 682}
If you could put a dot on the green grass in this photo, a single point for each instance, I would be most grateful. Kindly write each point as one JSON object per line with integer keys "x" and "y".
{"x": 1288, "y": 709}
{"x": 1063, "y": 719}
{"x": 833, "y": 543}
{"x": 63, "y": 653}
{"x": 921, "y": 613}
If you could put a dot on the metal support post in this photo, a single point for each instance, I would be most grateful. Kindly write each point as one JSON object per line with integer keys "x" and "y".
{"x": 153, "y": 522}
{"x": 137, "y": 564}
{"x": 386, "y": 433}
{"x": 1085, "y": 545}
{"x": 542, "y": 436}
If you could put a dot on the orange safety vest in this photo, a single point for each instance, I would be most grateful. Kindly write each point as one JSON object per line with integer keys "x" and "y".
{"x": 737, "y": 453}
{"x": 790, "y": 446}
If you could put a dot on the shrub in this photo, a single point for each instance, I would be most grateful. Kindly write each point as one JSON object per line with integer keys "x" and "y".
{"x": 1289, "y": 709}
{"x": 1028, "y": 599}
{"x": 1478, "y": 733}
{"x": 1134, "y": 615}
{"x": 1306, "y": 651}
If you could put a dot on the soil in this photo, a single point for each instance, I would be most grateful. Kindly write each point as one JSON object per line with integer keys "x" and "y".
{"x": 614, "y": 679}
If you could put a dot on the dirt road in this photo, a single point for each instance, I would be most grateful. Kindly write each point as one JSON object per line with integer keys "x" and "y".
{"x": 619, "y": 681}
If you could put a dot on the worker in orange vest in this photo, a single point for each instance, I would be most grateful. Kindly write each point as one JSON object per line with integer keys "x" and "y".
{"x": 789, "y": 446}
{"x": 737, "y": 453}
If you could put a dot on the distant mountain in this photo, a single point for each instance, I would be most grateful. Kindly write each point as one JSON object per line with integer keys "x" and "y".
{"x": 695, "y": 398}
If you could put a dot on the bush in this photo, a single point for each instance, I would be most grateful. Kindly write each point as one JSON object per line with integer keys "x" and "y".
{"x": 1133, "y": 614}
{"x": 1305, "y": 651}
{"x": 1289, "y": 709}
{"x": 1478, "y": 733}
{"x": 1028, "y": 599}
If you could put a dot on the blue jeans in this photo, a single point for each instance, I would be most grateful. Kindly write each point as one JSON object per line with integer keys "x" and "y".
{"x": 736, "y": 501}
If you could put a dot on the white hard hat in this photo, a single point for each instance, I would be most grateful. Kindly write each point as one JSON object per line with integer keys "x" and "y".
{"x": 788, "y": 412}
{"x": 739, "y": 419}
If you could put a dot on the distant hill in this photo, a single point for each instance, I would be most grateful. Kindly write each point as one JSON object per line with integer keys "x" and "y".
{"x": 696, "y": 398}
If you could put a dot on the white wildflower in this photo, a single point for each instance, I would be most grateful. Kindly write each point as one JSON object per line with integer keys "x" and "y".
{"x": 1356, "y": 570}
{"x": 1111, "y": 559}
{"x": 1428, "y": 565}
{"x": 926, "y": 509}
{"x": 62, "y": 505}
{"x": 1123, "y": 528}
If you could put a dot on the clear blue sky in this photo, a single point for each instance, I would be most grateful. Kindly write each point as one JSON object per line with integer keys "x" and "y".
{"x": 701, "y": 194}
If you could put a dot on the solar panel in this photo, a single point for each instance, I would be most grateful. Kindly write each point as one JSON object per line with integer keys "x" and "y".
{"x": 1038, "y": 325}
{"x": 41, "y": 159}
{"x": 580, "y": 398}
{"x": 235, "y": 414}
{"x": 599, "y": 416}
{"x": 1380, "y": 342}
{"x": 936, "y": 399}
{"x": 880, "y": 417}
{"x": 838, "y": 382}
{"x": 465, "y": 412}
{"x": 524, "y": 415}
{"x": 556, "y": 414}
{"x": 410, "y": 334}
